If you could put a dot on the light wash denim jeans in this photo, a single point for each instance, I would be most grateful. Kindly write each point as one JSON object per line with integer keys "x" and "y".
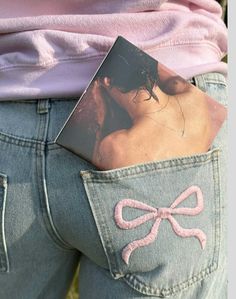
{"x": 58, "y": 210}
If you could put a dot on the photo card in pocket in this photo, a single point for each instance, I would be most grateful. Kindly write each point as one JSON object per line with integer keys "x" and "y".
{"x": 136, "y": 110}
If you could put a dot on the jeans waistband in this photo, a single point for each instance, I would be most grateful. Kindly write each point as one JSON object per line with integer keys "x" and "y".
{"x": 39, "y": 123}
{"x": 201, "y": 80}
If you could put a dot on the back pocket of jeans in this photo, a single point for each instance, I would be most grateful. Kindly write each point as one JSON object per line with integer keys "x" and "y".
{"x": 4, "y": 265}
{"x": 159, "y": 222}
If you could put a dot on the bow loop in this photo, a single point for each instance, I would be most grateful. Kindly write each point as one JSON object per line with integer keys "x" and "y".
{"x": 159, "y": 214}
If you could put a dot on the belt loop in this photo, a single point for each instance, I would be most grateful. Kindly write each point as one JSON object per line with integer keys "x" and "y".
{"x": 43, "y": 106}
{"x": 192, "y": 81}
{"x": 200, "y": 82}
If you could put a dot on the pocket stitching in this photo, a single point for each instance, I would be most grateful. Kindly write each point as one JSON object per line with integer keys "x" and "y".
{"x": 149, "y": 167}
{"x": 103, "y": 230}
{"x": 205, "y": 272}
{"x": 4, "y": 263}
{"x": 217, "y": 190}
{"x": 209, "y": 157}
{"x": 172, "y": 290}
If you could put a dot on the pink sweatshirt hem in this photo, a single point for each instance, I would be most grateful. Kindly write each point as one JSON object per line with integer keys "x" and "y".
{"x": 53, "y": 49}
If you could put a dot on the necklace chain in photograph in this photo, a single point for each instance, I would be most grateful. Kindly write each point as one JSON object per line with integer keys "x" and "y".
{"x": 183, "y": 129}
{"x": 167, "y": 102}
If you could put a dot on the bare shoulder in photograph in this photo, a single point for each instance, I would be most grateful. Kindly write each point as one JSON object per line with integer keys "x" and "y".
{"x": 136, "y": 110}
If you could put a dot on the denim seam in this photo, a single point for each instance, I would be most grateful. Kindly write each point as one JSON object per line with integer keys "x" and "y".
{"x": 4, "y": 262}
{"x": 104, "y": 233}
{"x": 215, "y": 81}
{"x": 115, "y": 270}
{"x": 63, "y": 243}
{"x": 138, "y": 285}
{"x": 21, "y": 141}
{"x": 149, "y": 167}
{"x": 203, "y": 79}
{"x": 213, "y": 77}
{"x": 25, "y": 142}
{"x": 216, "y": 174}
{"x": 177, "y": 168}
{"x": 40, "y": 173}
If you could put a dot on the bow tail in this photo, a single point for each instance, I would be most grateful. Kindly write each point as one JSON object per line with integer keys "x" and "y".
{"x": 141, "y": 242}
{"x": 185, "y": 232}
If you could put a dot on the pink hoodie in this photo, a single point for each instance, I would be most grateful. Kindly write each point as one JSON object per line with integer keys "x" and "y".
{"x": 52, "y": 48}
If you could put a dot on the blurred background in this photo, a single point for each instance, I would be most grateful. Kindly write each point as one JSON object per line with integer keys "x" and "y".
{"x": 73, "y": 292}
{"x": 224, "y": 4}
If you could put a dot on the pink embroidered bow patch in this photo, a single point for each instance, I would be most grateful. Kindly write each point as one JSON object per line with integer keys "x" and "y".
{"x": 159, "y": 214}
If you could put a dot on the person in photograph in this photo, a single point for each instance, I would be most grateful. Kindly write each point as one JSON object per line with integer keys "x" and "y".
{"x": 164, "y": 110}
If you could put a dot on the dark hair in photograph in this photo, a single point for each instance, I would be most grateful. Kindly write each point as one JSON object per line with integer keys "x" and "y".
{"x": 129, "y": 68}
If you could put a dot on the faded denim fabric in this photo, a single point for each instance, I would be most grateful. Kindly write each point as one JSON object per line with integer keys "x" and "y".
{"x": 58, "y": 210}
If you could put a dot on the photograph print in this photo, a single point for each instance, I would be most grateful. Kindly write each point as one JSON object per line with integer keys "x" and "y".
{"x": 136, "y": 110}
